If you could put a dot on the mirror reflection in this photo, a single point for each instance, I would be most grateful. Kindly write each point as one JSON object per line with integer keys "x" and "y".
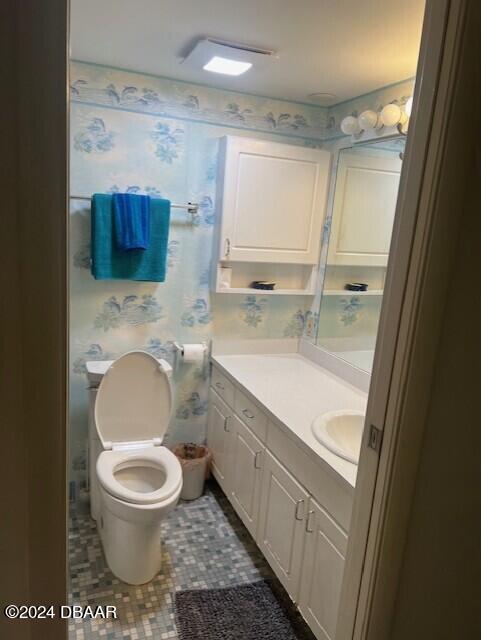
{"x": 363, "y": 207}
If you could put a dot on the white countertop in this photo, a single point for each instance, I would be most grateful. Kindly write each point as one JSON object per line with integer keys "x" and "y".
{"x": 295, "y": 391}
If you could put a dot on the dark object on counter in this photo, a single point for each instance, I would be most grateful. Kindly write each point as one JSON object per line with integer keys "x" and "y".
{"x": 263, "y": 284}
{"x": 356, "y": 286}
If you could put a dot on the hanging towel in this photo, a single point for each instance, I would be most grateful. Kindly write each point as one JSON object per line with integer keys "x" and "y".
{"x": 131, "y": 220}
{"x": 111, "y": 263}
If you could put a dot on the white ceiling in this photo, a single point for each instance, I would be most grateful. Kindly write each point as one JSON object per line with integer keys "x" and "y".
{"x": 344, "y": 47}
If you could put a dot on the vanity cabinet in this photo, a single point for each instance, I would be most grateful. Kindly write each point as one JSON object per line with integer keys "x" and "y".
{"x": 292, "y": 507}
{"x": 282, "y": 521}
{"x": 363, "y": 210}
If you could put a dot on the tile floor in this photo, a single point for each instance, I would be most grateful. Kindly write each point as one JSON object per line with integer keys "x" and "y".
{"x": 205, "y": 545}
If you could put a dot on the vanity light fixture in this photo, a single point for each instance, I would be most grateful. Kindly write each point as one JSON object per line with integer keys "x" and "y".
{"x": 391, "y": 115}
{"x": 227, "y": 66}
{"x": 408, "y": 107}
{"x": 369, "y": 120}
{"x": 350, "y": 126}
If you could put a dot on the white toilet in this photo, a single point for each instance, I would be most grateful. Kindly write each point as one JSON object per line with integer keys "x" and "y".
{"x": 135, "y": 481}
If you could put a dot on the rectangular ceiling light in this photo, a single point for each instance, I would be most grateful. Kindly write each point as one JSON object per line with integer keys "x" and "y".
{"x": 229, "y": 67}
{"x": 231, "y": 59}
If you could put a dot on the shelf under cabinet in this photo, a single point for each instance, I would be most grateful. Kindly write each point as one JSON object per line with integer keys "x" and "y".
{"x": 291, "y": 279}
{"x": 346, "y": 292}
{"x": 268, "y": 292}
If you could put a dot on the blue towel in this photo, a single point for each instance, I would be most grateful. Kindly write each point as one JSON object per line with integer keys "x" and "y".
{"x": 131, "y": 220}
{"x": 111, "y": 263}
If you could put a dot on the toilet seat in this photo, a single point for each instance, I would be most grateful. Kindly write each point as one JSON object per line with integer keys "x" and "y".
{"x": 134, "y": 402}
{"x": 110, "y": 463}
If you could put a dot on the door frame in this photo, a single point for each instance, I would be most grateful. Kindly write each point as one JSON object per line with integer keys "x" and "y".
{"x": 34, "y": 315}
{"x": 424, "y": 238}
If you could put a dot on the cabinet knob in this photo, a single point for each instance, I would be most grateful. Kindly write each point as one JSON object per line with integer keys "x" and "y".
{"x": 227, "y": 248}
{"x": 248, "y": 414}
{"x": 256, "y": 460}
{"x": 219, "y": 386}
{"x": 226, "y": 422}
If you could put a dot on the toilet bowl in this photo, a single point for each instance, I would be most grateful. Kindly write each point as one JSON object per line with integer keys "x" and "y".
{"x": 139, "y": 479}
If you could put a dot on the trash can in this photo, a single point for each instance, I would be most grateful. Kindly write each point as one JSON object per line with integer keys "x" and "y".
{"x": 195, "y": 461}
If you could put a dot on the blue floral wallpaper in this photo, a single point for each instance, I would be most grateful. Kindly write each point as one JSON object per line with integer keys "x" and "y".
{"x": 143, "y": 134}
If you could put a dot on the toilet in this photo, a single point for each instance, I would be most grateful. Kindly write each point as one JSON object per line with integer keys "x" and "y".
{"x": 134, "y": 481}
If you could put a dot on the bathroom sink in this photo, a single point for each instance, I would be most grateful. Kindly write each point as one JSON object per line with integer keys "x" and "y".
{"x": 340, "y": 432}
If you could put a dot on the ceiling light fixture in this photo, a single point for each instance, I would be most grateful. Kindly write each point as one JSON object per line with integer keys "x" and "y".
{"x": 227, "y": 58}
{"x": 227, "y": 66}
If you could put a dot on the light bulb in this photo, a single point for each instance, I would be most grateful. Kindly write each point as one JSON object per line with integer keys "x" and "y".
{"x": 391, "y": 115}
{"x": 408, "y": 107}
{"x": 368, "y": 120}
{"x": 350, "y": 126}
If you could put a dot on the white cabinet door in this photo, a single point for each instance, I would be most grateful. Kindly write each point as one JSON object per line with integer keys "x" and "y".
{"x": 247, "y": 461}
{"x": 219, "y": 438}
{"x": 363, "y": 210}
{"x": 273, "y": 201}
{"x": 282, "y": 516}
{"x": 322, "y": 572}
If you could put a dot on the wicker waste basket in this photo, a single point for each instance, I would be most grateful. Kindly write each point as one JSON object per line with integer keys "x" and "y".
{"x": 195, "y": 461}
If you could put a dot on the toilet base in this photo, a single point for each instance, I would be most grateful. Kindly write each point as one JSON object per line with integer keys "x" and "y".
{"x": 133, "y": 552}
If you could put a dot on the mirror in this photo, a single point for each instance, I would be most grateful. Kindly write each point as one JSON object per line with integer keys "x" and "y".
{"x": 360, "y": 229}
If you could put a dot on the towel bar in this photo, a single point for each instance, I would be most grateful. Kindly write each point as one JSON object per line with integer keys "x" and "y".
{"x": 192, "y": 207}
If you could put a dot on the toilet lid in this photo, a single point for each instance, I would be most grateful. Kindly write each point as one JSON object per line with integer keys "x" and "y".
{"x": 134, "y": 400}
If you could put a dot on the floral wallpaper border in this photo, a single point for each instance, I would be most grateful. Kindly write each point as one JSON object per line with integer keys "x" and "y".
{"x": 169, "y": 98}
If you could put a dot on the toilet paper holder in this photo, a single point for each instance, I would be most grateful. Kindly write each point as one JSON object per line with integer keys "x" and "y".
{"x": 181, "y": 349}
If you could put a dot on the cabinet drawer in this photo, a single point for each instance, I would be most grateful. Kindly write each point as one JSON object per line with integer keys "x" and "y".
{"x": 250, "y": 413}
{"x": 223, "y": 386}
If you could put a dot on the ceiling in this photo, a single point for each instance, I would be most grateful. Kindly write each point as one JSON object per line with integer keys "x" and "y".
{"x": 343, "y": 47}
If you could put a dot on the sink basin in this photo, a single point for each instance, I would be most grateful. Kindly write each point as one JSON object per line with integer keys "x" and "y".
{"x": 340, "y": 432}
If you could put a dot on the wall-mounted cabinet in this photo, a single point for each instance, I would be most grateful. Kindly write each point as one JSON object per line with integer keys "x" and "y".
{"x": 271, "y": 207}
{"x": 363, "y": 211}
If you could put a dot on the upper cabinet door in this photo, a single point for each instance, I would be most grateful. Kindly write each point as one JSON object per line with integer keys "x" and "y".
{"x": 363, "y": 211}
{"x": 272, "y": 201}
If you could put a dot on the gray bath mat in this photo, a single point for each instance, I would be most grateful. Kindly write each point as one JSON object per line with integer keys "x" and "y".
{"x": 257, "y": 611}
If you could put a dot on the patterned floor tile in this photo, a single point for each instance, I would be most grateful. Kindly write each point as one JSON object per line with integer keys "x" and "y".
{"x": 205, "y": 546}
